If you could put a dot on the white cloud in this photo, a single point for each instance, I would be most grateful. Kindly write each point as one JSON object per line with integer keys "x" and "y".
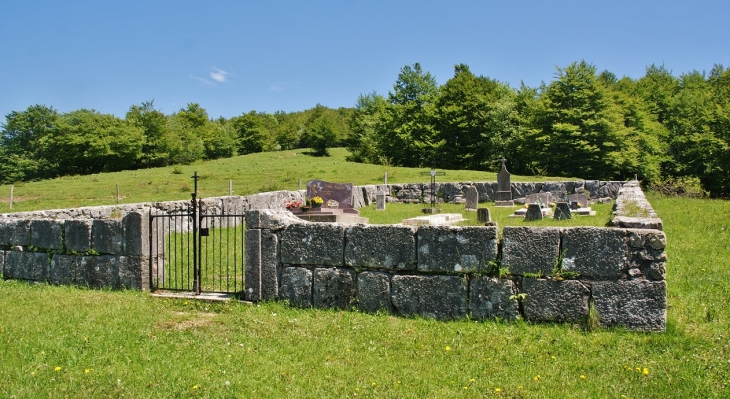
{"x": 278, "y": 86}
{"x": 219, "y": 75}
{"x": 202, "y": 80}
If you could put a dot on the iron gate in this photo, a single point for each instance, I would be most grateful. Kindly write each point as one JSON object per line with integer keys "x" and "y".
{"x": 198, "y": 248}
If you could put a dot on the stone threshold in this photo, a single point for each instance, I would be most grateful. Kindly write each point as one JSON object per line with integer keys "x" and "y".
{"x": 205, "y": 296}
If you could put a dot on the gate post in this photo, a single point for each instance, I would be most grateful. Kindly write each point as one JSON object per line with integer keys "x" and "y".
{"x": 196, "y": 237}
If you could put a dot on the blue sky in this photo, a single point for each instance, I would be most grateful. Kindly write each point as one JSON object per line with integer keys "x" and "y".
{"x": 232, "y": 57}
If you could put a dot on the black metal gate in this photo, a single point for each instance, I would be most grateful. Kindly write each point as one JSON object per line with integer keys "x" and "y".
{"x": 198, "y": 247}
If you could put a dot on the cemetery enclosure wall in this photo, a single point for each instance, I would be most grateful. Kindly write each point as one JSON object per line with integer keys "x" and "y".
{"x": 536, "y": 273}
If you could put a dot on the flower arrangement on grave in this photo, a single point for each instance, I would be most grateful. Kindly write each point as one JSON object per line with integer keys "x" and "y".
{"x": 552, "y": 205}
{"x": 316, "y": 202}
{"x": 293, "y": 204}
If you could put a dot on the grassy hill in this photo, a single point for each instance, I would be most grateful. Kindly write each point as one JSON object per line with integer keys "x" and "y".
{"x": 249, "y": 174}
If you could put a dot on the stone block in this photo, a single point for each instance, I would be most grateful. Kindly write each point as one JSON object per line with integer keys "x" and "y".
{"x": 373, "y": 292}
{"x": 489, "y": 298}
{"x": 595, "y": 251}
{"x": 530, "y": 249}
{"x": 100, "y": 271}
{"x": 78, "y": 235}
{"x": 437, "y": 297}
{"x": 15, "y": 232}
{"x": 296, "y": 286}
{"x": 13, "y": 262}
{"x": 106, "y": 236}
{"x": 270, "y": 219}
{"x": 131, "y": 272}
{"x": 456, "y": 249}
{"x": 549, "y": 300}
{"x": 381, "y": 246}
{"x": 63, "y": 269}
{"x": 269, "y": 265}
{"x": 647, "y": 257}
{"x": 634, "y": 304}
{"x": 334, "y": 288}
{"x": 253, "y": 265}
{"x": 135, "y": 227}
{"x": 46, "y": 234}
{"x": 313, "y": 244}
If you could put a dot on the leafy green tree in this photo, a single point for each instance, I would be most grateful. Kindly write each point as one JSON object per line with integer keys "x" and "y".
{"x": 477, "y": 120}
{"x": 365, "y": 123}
{"x": 90, "y": 142}
{"x": 253, "y": 133}
{"x": 408, "y": 137}
{"x": 153, "y": 124}
{"x": 578, "y": 128}
{"x": 21, "y": 139}
{"x": 320, "y": 135}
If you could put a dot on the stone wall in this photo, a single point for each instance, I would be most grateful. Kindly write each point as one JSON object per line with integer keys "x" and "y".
{"x": 541, "y": 274}
{"x": 104, "y": 246}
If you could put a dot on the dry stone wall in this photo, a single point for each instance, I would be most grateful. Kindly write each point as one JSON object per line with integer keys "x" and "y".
{"x": 541, "y": 274}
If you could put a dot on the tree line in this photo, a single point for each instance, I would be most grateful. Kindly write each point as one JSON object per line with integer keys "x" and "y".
{"x": 41, "y": 143}
{"x": 667, "y": 130}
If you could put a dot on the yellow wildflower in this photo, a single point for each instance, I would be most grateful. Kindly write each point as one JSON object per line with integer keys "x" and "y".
{"x": 645, "y": 371}
{"x": 58, "y": 368}
{"x": 448, "y": 348}
{"x": 582, "y": 376}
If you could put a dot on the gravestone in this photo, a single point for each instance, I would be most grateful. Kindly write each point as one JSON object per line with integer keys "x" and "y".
{"x": 538, "y": 197}
{"x": 472, "y": 199}
{"x": 581, "y": 199}
{"x": 342, "y": 193}
{"x": 562, "y": 211}
{"x": 380, "y": 201}
{"x": 483, "y": 215}
{"x": 337, "y": 203}
{"x": 534, "y": 212}
{"x": 504, "y": 187}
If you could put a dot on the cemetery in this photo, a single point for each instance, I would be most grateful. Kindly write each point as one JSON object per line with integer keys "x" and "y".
{"x": 331, "y": 257}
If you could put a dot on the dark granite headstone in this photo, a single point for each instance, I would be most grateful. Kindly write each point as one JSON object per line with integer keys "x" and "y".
{"x": 534, "y": 212}
{"x": 504, "y": 187}
{"x": 562, "y": 211}
{"x": 342, "y": 193}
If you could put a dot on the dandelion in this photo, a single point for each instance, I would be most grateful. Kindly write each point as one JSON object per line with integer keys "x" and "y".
{"x": 497, "y": 389}
{"x": 195, "y": 387}
{"x": 87, "y": 371}
{"x": 58, "y": 368}
{"x": 373, "y": 383}
{"x": 645, "y": 371}
{"x": 448, "y": 348}
{"x": 582, "y": 377}
{"x": 552, "y": 357}
{"x": 519, "y": 387}
{"x": 472, "y": 380}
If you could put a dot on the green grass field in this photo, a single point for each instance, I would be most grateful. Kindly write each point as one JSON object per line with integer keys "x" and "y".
{"x": 250, "y": 174}
{"x": 73, "y": 342}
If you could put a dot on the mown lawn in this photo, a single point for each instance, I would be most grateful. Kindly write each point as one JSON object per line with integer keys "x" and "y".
{"x": 74, "y": 342}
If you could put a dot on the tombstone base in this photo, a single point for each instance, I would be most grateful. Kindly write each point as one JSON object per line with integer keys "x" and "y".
{"x": 504, "y": 203}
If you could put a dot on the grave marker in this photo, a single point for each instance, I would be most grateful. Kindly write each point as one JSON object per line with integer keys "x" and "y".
{"x": 472, "y": 198}
{"x": 534, "y": 212}
{"x": 380, "y": 201}
{"x": 504, "y": 187}
{"x": 342, "y": 193}
{"x": 562, "y": 211}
